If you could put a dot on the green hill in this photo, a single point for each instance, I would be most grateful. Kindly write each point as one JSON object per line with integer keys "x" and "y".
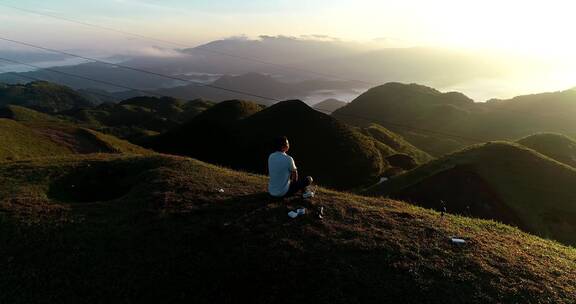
{"x": 42, "y": 96}
{"x": 502, "y": 181}
{"x": 138, "y": 117}
{"x": 239, "y": 134}
{"x": 19, "y": 113}
{"x": 556, "y": 146}
{"x": 396, "y": 143}
{"x": 156, "y": 229}
{"x": 419, "y": 108}
{"x": 229, "y": 111}
{"x": 22, "y": 140}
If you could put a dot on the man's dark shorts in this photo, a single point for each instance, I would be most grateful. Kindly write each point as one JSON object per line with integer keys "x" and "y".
{"x": 299, "y": 185}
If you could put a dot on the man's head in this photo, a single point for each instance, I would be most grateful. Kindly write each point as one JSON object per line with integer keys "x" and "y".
{"x": 281, "y": 144}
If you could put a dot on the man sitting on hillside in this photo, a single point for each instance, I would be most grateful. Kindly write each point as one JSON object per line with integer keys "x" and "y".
{"x": 283, "y": 173}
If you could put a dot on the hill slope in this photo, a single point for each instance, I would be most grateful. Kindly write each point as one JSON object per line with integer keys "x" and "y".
{"x": 40, "y": 139}
{"x": 556, "y": 146}
{"x": 502, "y": 181}
{"x": 418, "y": 107}
{"x": 239, "y": 134}
{"x": 161, "y": 232}
{"x": 137, "y": 117}
{"x": 396, "y": 143}
{"x": 19, "y": 113}
{"x": 42, "y": 96}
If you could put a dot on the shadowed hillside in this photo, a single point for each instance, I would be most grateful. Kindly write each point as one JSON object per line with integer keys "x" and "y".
{"x": 239, "y": 134}
{"x": 42, "y": 96}
{"x": 162, "y": 232}
{"x": 556, "y": 146}
{"x": 501, "y": 181}
{"x": 396, "y": 143}
{"x": 22, "y": 140}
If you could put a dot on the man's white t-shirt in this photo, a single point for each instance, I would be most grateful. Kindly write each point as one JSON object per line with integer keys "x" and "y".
{"x": 280, "y": 167}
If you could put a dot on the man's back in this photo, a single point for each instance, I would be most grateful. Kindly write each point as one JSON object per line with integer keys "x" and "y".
{"x": 280, "y": 167}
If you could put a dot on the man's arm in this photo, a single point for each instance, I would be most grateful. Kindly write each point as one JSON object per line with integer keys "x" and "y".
{"x": 294, "y": 175}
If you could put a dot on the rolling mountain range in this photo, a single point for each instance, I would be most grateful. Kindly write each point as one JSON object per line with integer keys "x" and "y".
{"x": 291, "y": 59}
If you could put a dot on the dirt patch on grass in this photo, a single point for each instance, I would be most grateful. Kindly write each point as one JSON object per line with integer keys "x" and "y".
{"x": 76, "y": 139}
{"x": 95, "y": 182}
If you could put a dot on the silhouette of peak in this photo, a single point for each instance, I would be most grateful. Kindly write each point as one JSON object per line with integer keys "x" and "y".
{"x": 228, "y": 111}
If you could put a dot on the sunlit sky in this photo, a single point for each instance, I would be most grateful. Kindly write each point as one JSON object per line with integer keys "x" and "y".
{"x": 532, "y": 26}
{"x": 541, "y": 28}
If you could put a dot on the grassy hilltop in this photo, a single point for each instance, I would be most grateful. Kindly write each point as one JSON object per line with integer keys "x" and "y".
{"x": 144, "y": 229}
{"x": 499, "y": 180}
{"x": 42, "y": 96}
{"x": 556, "y": 146}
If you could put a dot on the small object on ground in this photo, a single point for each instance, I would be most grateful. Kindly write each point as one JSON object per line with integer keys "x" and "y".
{"x": 443, "y": 208}
{"x": 382, "y": 180}
{"x": 308, "y": 194}
{"x": 458, "y": 241}
{"x": 321, "y": 212}
{"x": 221, "y": 190}
{"x": 301, "y": 211}
{"x": 293, "y": 214}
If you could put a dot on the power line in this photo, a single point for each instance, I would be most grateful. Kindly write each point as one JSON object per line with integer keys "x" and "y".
{"x": 38, "y": 79}
{"x": 384, "y": 123}
{"x": 405, "y": 127}
{"x": 19, "y": 75}
{"x": 204, "y": 49}
{"x": 140, "y": 70}
{"x": 197, "y": 48}
{"x": 454, "y": 136}
{"x": 195, "y": 82}
{"x": 80, "y": 77}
